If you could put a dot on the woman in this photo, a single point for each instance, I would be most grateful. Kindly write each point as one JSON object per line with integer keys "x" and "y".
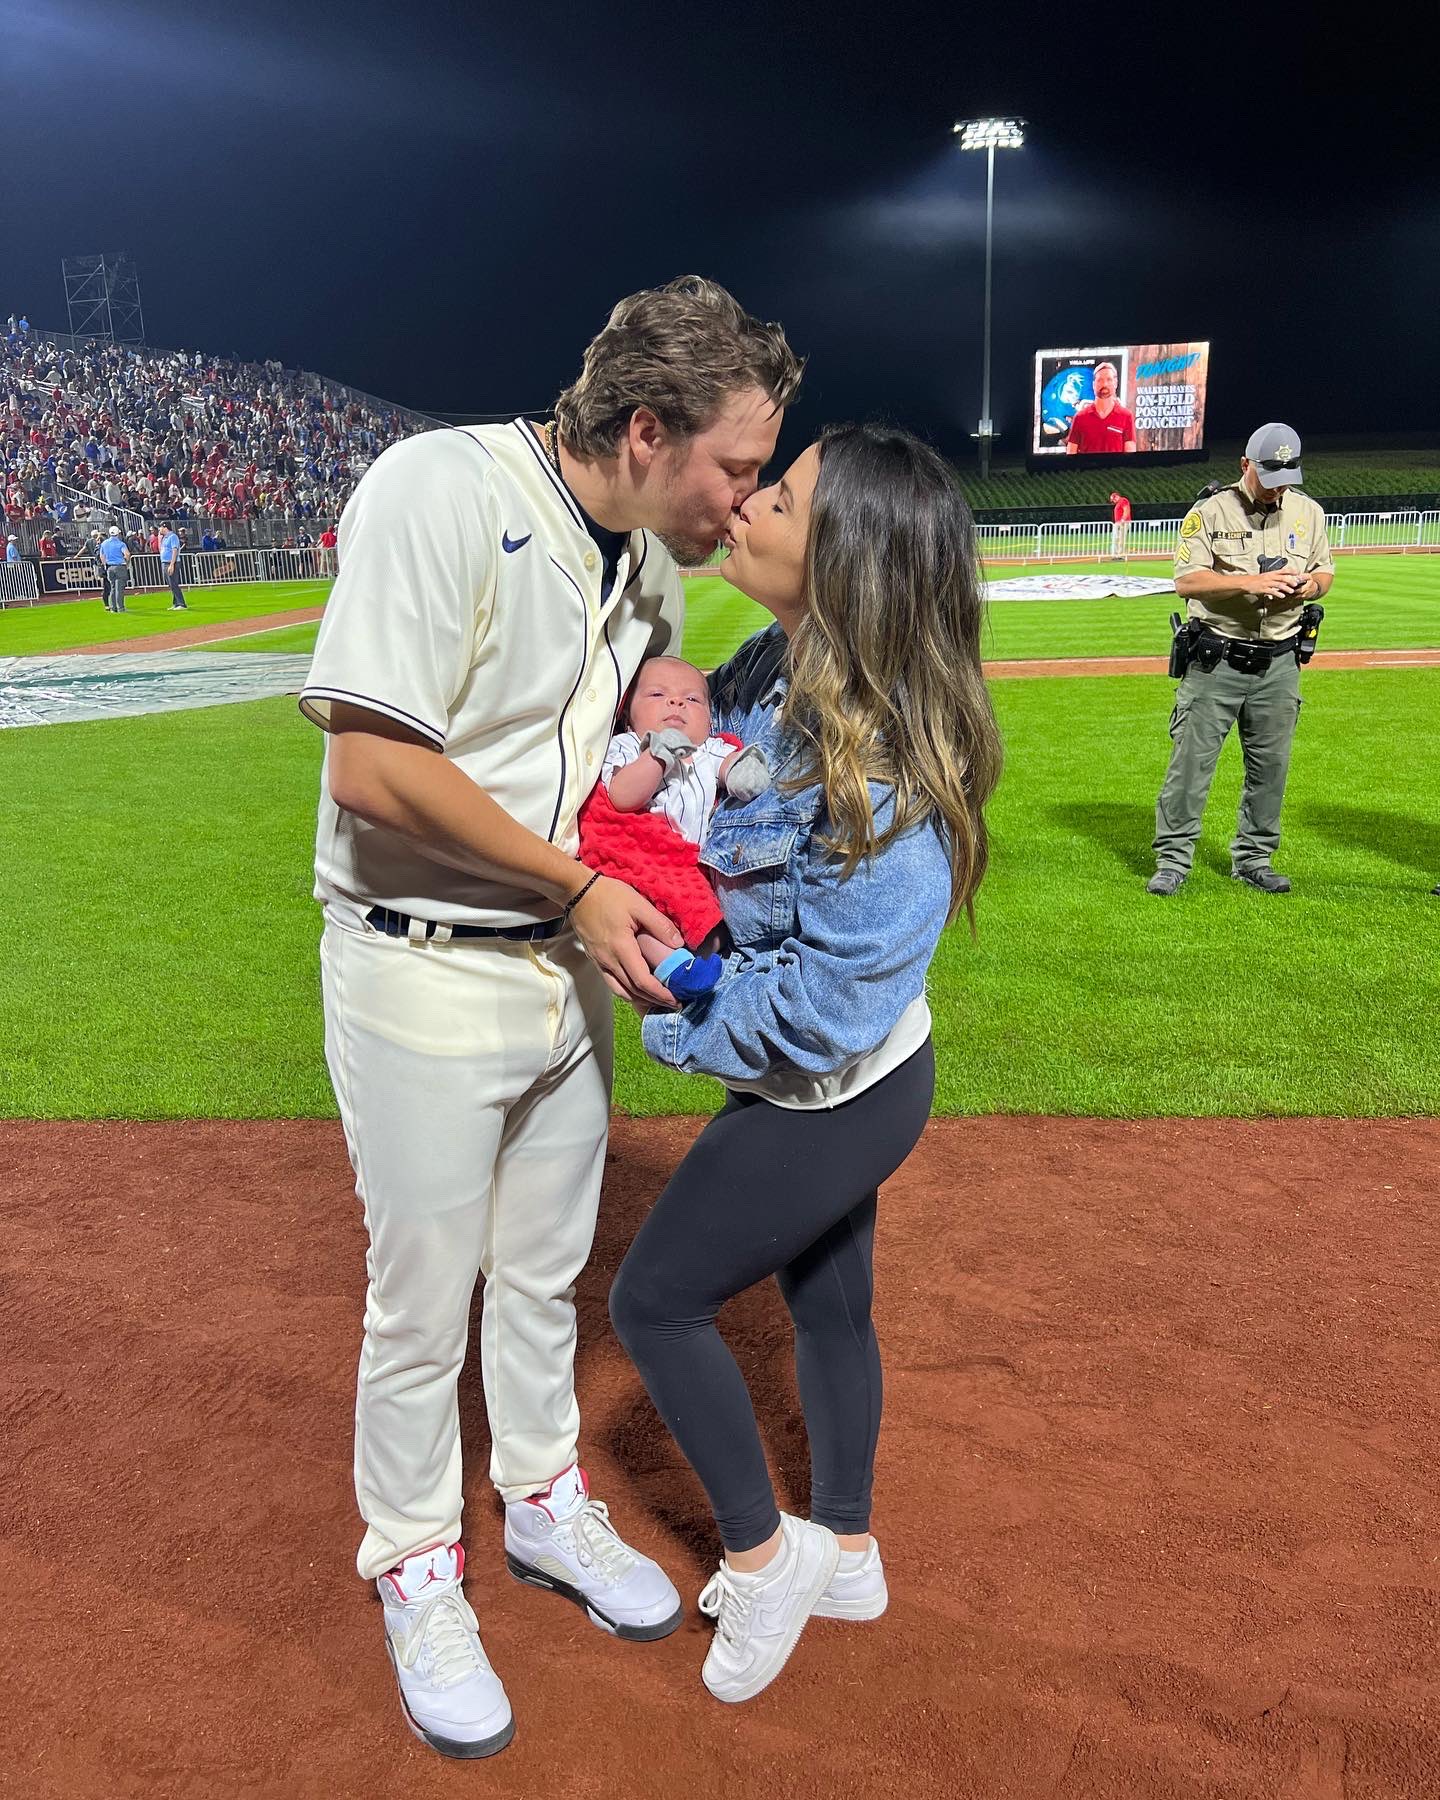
{"x": 836, "y": 883}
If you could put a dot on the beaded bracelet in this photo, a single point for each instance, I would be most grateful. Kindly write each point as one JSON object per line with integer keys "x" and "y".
{"x": 575, "y": 899}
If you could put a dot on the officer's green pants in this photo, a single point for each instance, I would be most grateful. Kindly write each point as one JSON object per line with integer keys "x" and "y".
{"x": 1207, "y": 704}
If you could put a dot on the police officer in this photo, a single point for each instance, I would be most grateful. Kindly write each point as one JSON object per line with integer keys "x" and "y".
{"x": 1249, "y": 559}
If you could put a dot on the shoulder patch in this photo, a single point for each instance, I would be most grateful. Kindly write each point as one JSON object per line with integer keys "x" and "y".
{"x": 1182, "y": 552}
{"x": 1191, "y": 523}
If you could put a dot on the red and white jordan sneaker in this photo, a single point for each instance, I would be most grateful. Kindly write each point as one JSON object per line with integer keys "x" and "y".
{"x": 563, "y": 1540}
{"x": 452, "y": 1698}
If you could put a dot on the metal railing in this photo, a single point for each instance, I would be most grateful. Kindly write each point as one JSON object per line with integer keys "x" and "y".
{"x": 1098, "y": 540}
{"x": 18, "y": 586}
{"x": 113, "y": 513}
{"x": 198, "y": 568}
{"x": 267, "y": 531}
{"x": 1404, "y": 530}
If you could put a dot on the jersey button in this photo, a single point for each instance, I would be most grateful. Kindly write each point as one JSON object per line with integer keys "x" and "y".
{"x": 589, "y": 693}
{"x": 590, "y": 756}
{"x": 591, "y": 560}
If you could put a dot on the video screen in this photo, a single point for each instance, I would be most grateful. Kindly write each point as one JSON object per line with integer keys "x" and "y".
{"x": 1120, "y": 400}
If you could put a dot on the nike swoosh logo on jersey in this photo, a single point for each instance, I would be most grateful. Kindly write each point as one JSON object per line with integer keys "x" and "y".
{"x": 511, "y": 545}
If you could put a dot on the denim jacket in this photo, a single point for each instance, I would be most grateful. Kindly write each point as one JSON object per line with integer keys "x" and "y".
{"x": 823, "y": 968}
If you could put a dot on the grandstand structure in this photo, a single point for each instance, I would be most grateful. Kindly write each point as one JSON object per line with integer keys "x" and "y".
{"x": 95, "y": 432}
{"x": 257, "y": 461}
{"x": 1344, "y": 475}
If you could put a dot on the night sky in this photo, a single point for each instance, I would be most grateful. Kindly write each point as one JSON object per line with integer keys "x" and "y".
{"x": 439, "y": 203}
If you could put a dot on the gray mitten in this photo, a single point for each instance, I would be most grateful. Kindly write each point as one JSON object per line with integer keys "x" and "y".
{"x": 670, "y": 748}
{"x": 749, "y": 774}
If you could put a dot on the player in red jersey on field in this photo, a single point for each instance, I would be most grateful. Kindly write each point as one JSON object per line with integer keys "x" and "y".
{"x": 1120, "y": 513}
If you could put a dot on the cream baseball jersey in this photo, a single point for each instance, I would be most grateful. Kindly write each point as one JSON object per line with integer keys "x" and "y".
{"x": 469, "y": 608}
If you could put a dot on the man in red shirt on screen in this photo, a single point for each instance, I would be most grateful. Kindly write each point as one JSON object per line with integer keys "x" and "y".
{"x": 1120, "y": 513}
{"x": 1102, "y": 426}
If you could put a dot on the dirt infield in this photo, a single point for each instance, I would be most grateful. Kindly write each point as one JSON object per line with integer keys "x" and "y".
{"x": 1156, "y": 1486}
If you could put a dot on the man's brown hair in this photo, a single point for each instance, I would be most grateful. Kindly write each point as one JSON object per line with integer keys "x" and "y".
{"x": 678, "y": 350}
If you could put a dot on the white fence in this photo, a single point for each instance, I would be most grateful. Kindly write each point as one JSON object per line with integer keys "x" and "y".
{"x": 1097, "y": 540}
{"x": 1384, "y": 530}
{"x": 18, "y": 586}
{"x": 198, "y": 568}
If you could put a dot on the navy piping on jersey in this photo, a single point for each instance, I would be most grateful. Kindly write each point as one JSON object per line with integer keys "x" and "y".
{"x": 371, "y": 704}
{"x": 544, "y": 461}
{"x": 474, "y": 440}
{"x": 615, "y": 665}
{"x": 560, "y": 723}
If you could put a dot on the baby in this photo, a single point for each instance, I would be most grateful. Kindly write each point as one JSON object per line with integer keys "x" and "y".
{"x": 644, "y": 824}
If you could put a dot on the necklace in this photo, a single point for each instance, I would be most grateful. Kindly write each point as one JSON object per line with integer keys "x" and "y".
{"x": 552, "y": 444}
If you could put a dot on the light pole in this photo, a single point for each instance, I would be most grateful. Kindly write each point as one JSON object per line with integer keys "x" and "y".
{"x": 988, "y": 135}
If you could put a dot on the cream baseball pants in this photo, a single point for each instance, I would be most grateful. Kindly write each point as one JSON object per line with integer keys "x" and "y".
{"x": 473, "y": 1079}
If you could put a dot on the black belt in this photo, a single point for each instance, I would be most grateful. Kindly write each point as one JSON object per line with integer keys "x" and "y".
{"x": 397, "y": 924}
{"x": 1247, "y": 656}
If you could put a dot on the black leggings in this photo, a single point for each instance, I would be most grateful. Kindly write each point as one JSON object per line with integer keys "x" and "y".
{"x": 767, "y": 1190}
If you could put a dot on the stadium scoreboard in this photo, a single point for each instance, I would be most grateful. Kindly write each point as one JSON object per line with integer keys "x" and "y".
{"x": 1118, "y": 400}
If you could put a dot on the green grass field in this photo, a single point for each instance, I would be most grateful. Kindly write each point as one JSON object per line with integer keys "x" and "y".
{"x": 67, "y": 625}
{"x": 1378, "y": 602}
{"x": 159, "y": 952}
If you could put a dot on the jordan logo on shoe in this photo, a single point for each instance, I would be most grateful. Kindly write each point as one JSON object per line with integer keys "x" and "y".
{"x": 431, "y": 1574}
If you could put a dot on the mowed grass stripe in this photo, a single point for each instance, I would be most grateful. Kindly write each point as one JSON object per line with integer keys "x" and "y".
{"x": 159, "y": 957}
{"x": 1378, "y": 603}
{"x": 74, "y": 624}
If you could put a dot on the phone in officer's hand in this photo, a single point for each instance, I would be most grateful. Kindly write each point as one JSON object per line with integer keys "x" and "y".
{"x": 1275, "y": 565}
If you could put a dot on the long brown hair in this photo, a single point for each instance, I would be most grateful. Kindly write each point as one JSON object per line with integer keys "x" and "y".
{"x": 885, "y": 680}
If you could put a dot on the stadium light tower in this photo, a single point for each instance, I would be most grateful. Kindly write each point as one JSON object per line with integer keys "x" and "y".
{"x": 988, "y": 135}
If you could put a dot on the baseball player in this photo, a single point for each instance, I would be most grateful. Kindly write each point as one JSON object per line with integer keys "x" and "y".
{"x": 498, "y": 589}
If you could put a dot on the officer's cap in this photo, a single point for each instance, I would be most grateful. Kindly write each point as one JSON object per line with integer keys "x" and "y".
{"x": 1276, "y": 451}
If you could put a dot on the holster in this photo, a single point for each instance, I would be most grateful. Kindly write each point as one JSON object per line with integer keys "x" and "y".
{"x": 1179, "y": 648}
{"x": 1310, "y": 616}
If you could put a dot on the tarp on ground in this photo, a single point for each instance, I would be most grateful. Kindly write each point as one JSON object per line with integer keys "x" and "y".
{"x": 61, "y": 690}
{"x": 1079, "y": 587}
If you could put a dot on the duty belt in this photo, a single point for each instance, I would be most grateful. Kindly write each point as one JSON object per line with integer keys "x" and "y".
{"x": 1247, "y": 656}
{"x": 398, "y": 924}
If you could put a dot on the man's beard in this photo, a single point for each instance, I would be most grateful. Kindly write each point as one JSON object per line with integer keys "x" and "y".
{"x": 688, "y": 552}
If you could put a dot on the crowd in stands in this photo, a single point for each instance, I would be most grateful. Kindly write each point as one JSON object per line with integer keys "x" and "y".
{"x": 177, "y": 434}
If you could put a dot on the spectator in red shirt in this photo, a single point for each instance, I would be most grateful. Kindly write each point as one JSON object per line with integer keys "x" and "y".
{"x": 1102, "y": 425}
{"x": 1121, "y": 530}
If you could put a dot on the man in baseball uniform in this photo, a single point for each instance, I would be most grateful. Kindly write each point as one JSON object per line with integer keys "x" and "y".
{"x": 498, "y": 589}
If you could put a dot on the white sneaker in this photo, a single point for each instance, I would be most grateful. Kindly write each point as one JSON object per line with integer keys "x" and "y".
{"x": 452, "y": 1698}
{"x": 759, "y": 1618}
{"x": 857, "y": 1588}
{"x": 563, "y": 1540}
